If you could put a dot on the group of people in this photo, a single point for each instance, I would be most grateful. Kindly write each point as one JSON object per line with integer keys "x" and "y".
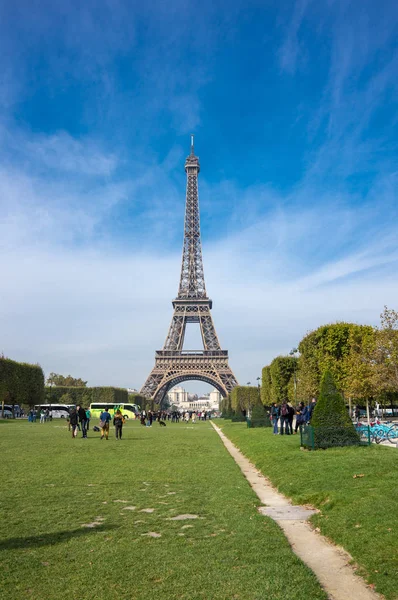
{"x": 34, "y": 415}
{"x": 79, "y": 420}
{"x": 175, "y": 416}
{"x": 285, "y": 413}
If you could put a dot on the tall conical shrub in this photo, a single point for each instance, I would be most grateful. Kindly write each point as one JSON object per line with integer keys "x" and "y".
{"x": 330, "y": 420}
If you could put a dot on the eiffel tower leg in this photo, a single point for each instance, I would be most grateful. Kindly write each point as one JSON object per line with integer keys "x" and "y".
{"x": 209, "y": 336}
{"x": 175, "y": 337}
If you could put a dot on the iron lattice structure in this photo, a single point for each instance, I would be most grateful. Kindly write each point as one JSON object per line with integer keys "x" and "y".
{"x": 174, "y": 365}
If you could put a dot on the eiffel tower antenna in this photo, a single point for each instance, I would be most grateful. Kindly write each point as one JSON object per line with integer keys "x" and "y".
{"x": 174, "y": 365}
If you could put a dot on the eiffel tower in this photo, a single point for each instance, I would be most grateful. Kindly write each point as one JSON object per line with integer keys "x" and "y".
{"x": 173, "y": 365}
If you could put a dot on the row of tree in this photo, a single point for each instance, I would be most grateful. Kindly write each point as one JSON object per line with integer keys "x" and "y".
{"x": 54, "y": 379}
{"x": 20, "y": 383}
{"x": 85, "y": 395}
{"x": 362, "y": 359}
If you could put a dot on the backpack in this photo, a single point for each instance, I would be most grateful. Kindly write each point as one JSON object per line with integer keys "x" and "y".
{"x": 284, "y": 410}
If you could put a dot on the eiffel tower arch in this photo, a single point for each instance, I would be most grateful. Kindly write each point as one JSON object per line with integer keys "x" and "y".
{"x": 173, "y": 365}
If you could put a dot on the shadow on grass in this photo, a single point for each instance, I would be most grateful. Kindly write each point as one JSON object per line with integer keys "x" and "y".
{"x": 48, "y": 539}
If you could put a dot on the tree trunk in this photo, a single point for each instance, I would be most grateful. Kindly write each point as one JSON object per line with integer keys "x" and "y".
{"x": 367, "y": 410}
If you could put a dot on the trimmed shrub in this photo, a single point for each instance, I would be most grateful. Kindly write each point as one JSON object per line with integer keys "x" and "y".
{"x": 140, "y": 400}
{"x": 266, "y": 398}
{"x": 238, "y": 417}
{"x": 226, "y": 410}
{"x": 86, "y": 396}
{"x": 260, "y": 417}
{"x": 281, "y": 372}
{"x": 330, "y": 420}
{"x": 21, "y": 383}
{"x": 244, "y": 398}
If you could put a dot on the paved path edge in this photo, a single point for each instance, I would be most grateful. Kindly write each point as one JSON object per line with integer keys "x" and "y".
{"x": 328, "y": 562}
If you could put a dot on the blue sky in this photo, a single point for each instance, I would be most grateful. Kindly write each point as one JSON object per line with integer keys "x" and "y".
{"x": 294, "y": 110}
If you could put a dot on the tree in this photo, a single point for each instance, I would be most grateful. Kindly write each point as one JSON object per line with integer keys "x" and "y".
{"x": 282, "y": 370}
{"x": 66, "y": 399}
{"x": 330, "y": 419}
{"x": 328, "y": 348}
{"x": 266, "y": 398}
{"x": 386, "y": 351}
{"x": 59, "y": 380}
{"x": 362, "y": 373}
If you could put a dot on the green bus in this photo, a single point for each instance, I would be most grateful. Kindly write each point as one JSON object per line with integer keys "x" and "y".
{"x": 129, "y": 411}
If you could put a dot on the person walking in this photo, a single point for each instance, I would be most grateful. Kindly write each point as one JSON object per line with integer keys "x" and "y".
{"x": 194, "y": 417}
{"x": 73, "y": 421}
{"x": 81, "y": 412}
{"x": 42, "y": 415}
{"x": 299, "y": 416}
{"x": 284, "y": 415}
{"x": 290, "y": 417}
{"x": 275, "y": 417}
{"x": 118, "y": 422}
{"x": 105, "y": 418}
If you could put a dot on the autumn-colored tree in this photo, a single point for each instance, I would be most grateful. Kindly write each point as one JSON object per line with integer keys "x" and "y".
{"x": 386, "y": 351}
{"x": 362, "y": 373}
{"x": 329, "y": 348}
{"x": 60, "y": 380}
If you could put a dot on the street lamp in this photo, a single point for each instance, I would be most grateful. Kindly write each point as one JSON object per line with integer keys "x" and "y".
{"x": 258, "y": 386}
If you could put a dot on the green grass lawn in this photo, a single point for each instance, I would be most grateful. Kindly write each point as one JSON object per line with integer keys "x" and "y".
{"x": 53, "y": 485}
{"x": 358, "y": 513}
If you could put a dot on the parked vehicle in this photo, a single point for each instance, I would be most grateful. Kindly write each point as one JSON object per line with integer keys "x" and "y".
{"x": 57, "y": 411}
{"x": 129, "y": 411}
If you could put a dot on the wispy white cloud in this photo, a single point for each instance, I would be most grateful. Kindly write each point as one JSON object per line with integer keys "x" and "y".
{"x": 291, "y": 51}
{"x": 102, "y": 313}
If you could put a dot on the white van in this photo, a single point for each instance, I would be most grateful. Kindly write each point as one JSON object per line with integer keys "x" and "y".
{"x": 57, "y": 411}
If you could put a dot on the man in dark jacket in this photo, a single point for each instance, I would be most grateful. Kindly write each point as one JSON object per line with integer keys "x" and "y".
{"x": 284, "y": 418}
{"x": 73, "y": 421}
{"x": 81, "y": 412}
{"x": 299, "y": 416}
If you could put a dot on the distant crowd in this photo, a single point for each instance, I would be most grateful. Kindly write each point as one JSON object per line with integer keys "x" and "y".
{"x": 175, "y": 416}
{"x": 79, "y": 420}
{"x": 283, "y": 415}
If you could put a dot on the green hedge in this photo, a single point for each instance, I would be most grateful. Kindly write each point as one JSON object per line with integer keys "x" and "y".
{"x": 244, "y": 398}
{"x": 330, "y": 420}
{"x": 266, "y": 397}
{"x": 85, "y": 396}
{"x": 21, "y": 383}
{"x": 226, "y": 409}
{"x": 142, "y": 401}
{"x": 238, "y": 417}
